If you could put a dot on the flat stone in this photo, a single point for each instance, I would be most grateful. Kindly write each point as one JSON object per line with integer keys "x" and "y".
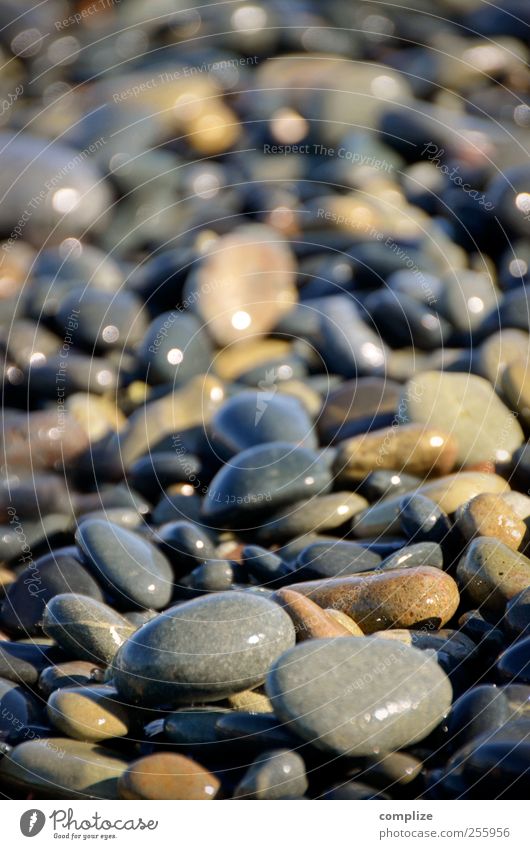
{"x": 279, "y": 774}
{"x": 85, "y": 628}
{"x": 194, "y": 726}
{"x": 514, "y": 664}
{"x": 245, "y": 283}
{"x": 265, "y": 477}
{"x": 448, "y": 493}
{"x": 205, "y": 649}
{"x": 482, "y": 709}
{"x": 422, "y": 520}
{"x": 130, "y": 567}
{"x": 309, "y": 620}
{"x": 357, "y": 406}
{"x": 419, "y": 554}
{"x": 48, "y": 576}
{"x": 396, "y": 768}
{"x": 358, "y": 696}
{"x": 490, "y": 573}
{"x": 412, "y": 449}
{"x": 166, "y": 775}
{"x": 489, "y": 515}
{"x": 72, "y": 673}
{"x": 466, "y": 407}
{"x": 334, "y": 558}
{"x": 403, "y": 598}
{"x": 251, "y": 418}
{"x": 64, "y": 768}
{"x": 323, "y": 513}
{"x": 91, "y": 713}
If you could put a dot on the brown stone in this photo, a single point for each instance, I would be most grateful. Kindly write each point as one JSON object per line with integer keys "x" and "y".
{"x": 489, "y": 515}
{"x": 399, "y": 598}
{"x": 167, "y": 776}
{"x": 346, "y": 621}
{"x": 310, "y": 621}
{"x": 91, "y": 713}
{"x": 412, "y": 449}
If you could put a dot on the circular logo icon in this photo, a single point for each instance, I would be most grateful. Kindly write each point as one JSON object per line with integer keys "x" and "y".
{"x": 32, "y": 822}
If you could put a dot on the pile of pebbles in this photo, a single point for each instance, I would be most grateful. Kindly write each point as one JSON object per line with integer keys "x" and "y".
{"x": 265, "y": 348}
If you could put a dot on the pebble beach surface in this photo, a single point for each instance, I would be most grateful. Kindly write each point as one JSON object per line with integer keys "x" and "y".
{"x": 265, "y": 350}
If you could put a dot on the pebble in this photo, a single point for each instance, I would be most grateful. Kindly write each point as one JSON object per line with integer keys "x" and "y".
{"x": 309, "y": 620}
{"x": 64, "y": 768}
{"x": 358, "y": 696}
{"x": 403, "y": 598}
{"x": 185, "y": 544}
{"x": 466, "y": 407}
{"x": 491, "y": 573}
{"x": 72, "y": 673}
{"x": 250, "y": 700}
{"x": 131, "y": 568}
{"x": 410, "y": 448}
{"x": 252, "y": 418}
{"x": 255, "y": 730}
{"x": 331, "y": 559}
{"x": 515, "y": 382}
{"x": 419, "y": 554}
{"x": 92, "y": 713}
{"x": 264, "y": 478}
{"x": 356, "y": 406}
{"x": 422, "y": 520}
{"x": 279, "y": 774}
{"x": 19, "y": 709}
{"x": 191, "y": 727}
{"x": 205, "y": 649}
{"x": 517, "y": 614}
{"x": 514, "y": 664}
{"x": 345, "y": 620}
{"x": 324, "y": 513}
{"x": 23, "y": 662}
{"x": 84, "y": 628}
{"x": 174, "y": 348}
{"x": 48, "y": 576}
{"x": 489, "y": 515}
{"x": 166, "y": 775}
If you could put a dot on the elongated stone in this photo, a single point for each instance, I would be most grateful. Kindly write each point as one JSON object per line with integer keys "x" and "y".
{"x": 403, "y": 598}
{"x": 166, "y": 775}
{"x": 309, "y": 620}
{"x": 92, "y": 713}
{"x": 85, "y": 628}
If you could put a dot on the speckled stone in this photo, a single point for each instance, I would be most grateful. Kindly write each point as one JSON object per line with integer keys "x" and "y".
{"x": 422, "y": 520}
{"x": 322, "y": 513}
{"x": 490, "y": 573}
{"x": 356, "y": 696}
{"x": 85, "y": 628}
{"x": 309, "y": 620}
{"x": 251, "y": 701}
{"x": 91, "y": 713}
{"x": 403, "y": 598}
{"x": 73, "y": 673}
{"x": 64, "y": 768}
{"x": 410, "y": 448}
{"x": 251, "y": 418}
{"x": 166, "y": 775}
{"x": 54, "y": 573}
{"x": 467, "y": 408}
{"x": 279, "y": 774}
{"x": 205, "y": 649}
{"x": 447, "y": 492}
{"x": 265, "y": 566}
{"x": 517, "y": 615}
{"x": 514, "y": 664}
{"x": 264, "y": 478}
{"x": 489, "y": 515}
{"x": 130, "y": 567}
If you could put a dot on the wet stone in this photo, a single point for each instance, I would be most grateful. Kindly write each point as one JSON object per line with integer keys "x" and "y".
{"x": 331, "y": 559}
{"x": 356, "y": 696}
{"x": 419, "y": 554}
{"x": 213, "y": 576}
{"x": 264, "y": 478}
{"x": 265, "y": 566}
{"x": 491, "y": 573}
{"x": 91, "y": 713}
{"x": 85, "y": 628}
{"x": 166, "y": 775}
{"x": 279, "y": 774}
{"x": 204, "y": 649}
{"x": 50, "y": 575}
{"x": 130, "y": 568}
{"x": 185, "y": 544}
{"x": 490, "y": 515}
{"x": 310, "y": 621}
{"x": 324, "y": 513}
{"x": 19, "y": 709}
{"x": 422, "y": 520}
